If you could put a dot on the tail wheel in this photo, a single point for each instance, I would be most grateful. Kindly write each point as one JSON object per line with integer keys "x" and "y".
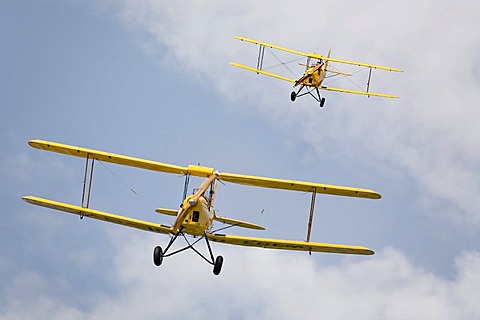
{"x": 157, "y": 256}
{"x": 217, "y": 267}
{"x": 293, "y": 96}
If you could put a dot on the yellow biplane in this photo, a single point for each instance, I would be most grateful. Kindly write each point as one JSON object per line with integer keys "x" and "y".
{"x": 315, "y": 73}
{"x": 196, "y": 215}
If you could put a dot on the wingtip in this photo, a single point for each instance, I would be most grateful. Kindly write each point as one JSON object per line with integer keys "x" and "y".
{"x": 32, "y": 142}
{"x": 35, "y": 143}
{"x": 28, "y": 199}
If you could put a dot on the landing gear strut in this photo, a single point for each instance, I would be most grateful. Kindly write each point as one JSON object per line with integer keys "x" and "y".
{"x": 159, "y": 254}
{"x": 294, "y": 95}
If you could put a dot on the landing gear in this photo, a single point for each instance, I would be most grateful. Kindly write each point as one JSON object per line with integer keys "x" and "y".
{"x": 308, "y": 90}
{"x": 157, "y": 256}
{"x": 217, "y": 267}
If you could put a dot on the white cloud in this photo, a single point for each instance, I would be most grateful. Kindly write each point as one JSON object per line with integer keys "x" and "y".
{"x": 260, "y": 284}
{"x": 430, "y": 134}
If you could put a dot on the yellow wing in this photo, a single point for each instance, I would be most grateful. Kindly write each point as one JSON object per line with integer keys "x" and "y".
{"x": 373, "y": 94}
{"x": 262, "y": 72}
{"x": 289, "y": 244}
{"x": 298, "y": 186}
{"x": 360, "y": 64}
{"x": 106, "y": 156}
{"x": 99, "y": 215}
{"x": 318, "y": 56}
{"x": 119, "y": 159}
{"x": 205, "y": 171}
{"x": 272, "y": 46}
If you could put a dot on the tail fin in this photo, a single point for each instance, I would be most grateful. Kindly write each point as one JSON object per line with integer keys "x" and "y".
{"x": 328, "y": 56}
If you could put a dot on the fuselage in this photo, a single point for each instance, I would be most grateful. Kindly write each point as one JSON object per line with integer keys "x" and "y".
{"x": 196, "y": 217}
{"x": 313, "y": 76}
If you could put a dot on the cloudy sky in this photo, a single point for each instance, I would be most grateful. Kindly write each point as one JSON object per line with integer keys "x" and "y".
{"x": 152, "y": 80}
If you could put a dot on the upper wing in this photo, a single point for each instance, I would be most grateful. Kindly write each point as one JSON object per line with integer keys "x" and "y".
{"x": 360, "y": 64}
{"x": 106, "y": 156}
{"x": 374, "y": 94}
{"x": 298, "y": 186}
{"x": 289, "y": 244}
{"x": 318, "y": 56}
{"x": 205, "y": 171}
{"x": 262, "y": 72}
{"x": 119, "y": 159}
{"x": 272, "y": 46}
{"x": 99, "y": 215}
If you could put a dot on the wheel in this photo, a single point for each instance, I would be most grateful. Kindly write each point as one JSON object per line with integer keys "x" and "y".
{"x": 157, "y": 256}
{"x": 293, "y": 96}
{"x": 217, "y": 267}
{"x": 322, "y": 102}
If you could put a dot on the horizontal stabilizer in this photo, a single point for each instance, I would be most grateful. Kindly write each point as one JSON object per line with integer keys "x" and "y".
{"x": 99, "y": 215}
{"x": 238, "y": 223}
{"x": 168, "y": 212}
{"x": 338, "y": 72}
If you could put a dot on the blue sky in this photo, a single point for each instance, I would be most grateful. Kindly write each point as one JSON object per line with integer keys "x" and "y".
{"x": 152, "y": 80}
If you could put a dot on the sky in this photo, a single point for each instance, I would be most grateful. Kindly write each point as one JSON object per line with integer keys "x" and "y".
{"x": 152, "y": 80}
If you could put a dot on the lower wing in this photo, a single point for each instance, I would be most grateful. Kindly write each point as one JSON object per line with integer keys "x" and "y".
{"x": 262, "y": 72}
{"x": 373, "y": 94}
{"x": 99, "y": 215}
{"x": 289, "y": 244}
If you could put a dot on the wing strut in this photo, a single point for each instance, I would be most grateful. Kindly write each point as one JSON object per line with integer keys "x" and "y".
{"x": 87, "y": 185}
{"x": 368, "y": 82}
{"x": 261, "y": 53}
{"x": 185, "y": 186}
{"x": 310, "y": 218}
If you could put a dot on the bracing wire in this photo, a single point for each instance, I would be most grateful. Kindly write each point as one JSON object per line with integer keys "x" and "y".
{"x": 116, "y": 176}
{"x": 344, "y": 76}
{"x": 283, "y": 63}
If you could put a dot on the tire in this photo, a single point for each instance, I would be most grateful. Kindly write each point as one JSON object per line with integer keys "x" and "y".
{"x": 217, "y": 267}
{"x": 322, "y": 102}
{"x": 293, "y": 96}
{"x": 157, "y": 256}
